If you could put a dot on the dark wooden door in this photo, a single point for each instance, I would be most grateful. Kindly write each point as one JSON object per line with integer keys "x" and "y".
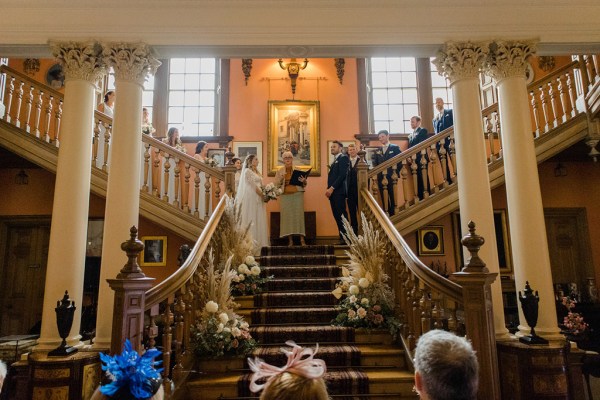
{"x": 23, "y": 275}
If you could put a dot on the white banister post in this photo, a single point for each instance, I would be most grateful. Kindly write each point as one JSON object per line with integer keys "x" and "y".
{"x": 83, "y": 66}
{"x": 133, "y": 63}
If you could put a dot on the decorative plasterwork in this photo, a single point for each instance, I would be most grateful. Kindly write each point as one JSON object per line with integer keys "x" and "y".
{"x": 508, "y": 58}
{"x": 131, "y": 61}
{"x": 80, "y": 60}
{"x": 461, "y": 60}
{"x": 339, "y": 67}
{"x": 246, "y": 68}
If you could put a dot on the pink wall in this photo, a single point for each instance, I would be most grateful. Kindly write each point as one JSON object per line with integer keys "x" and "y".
{"x": 248, "y": 108}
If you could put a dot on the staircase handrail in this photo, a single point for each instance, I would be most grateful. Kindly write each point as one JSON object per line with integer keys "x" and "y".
{"x": 33, "y": 82}
{"x": 550, "y": 77}
{"x": 184, "y": 273}
{"x": 420, "y": 270}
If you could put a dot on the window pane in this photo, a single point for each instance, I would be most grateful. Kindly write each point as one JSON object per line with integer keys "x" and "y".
{"x": 379, "y": 125}
{"x": 395, "y": 96}
{"x": 192, "y": 98}
{"x": 207, "y": 65}
{"x": 192, "y": 65}
{"x": 378, "y": 64}
{"x": 397, "y": 126}
{"x": 396, "y": 112}
{"x": 379, "y": 79}
{"x": 189, "y": 130}
{"x": 410, "y": 110}
{"x": 149, "y": 84}
{"x": 380, "y": 96}
{"x": 394, "y": 79}
{"x": 437, "y": 80}
{"x": 190, "y": 115}
{"x": 176, "y": 98}
{"x": 207, "y": 98}
{"x": 410, "y": 96}
{"x": 207, "y": 114}
{"x": 205, "y": 129}
{"x": 192, "y": 81}
{"x": 177, "y": 66}
{"x": 408, "y": 64}
{"x": 409, "y": 79}
{"x": 147, "y": 98}
{"x": 177, "y": 82}
{"x": 207, "y": 81}
{"x": 175, "y": 115}
{"x": 393, "y": 64}
{"x": 380, "y": 113}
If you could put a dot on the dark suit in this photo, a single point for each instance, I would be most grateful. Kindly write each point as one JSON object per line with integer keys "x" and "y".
{"x": 392, "y": 151}
{"x": 337, "y": 179}
{"x": 419, "y": 135}
{"x": 440, "y": 124}
{"x": 353, "y": 195}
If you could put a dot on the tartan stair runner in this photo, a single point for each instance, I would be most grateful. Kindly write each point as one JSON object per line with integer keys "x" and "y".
{"x": 297, "y": 305}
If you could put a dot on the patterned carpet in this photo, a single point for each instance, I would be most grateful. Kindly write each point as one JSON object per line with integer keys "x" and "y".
{"x": 298, "y": 305}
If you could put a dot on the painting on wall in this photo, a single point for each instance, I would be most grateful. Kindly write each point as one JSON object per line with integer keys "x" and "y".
{"x": 218, "y": 155}
{"x": 294, "y": 127}
{"x": 431, "y": 241}
{"x": 243, "y": 149}
{"x": 344, "y": 149}
{"x": 154, "y": 253}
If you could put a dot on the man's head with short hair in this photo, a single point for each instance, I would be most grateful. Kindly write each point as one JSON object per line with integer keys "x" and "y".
{"x": 384, "y": 136}
{"x": 415, "y": 122}
{"x": 439, "y": 104}
{"x": 352, "y": 150}
{"x": 336, "y": 147}
{"x": 446, "y": 367}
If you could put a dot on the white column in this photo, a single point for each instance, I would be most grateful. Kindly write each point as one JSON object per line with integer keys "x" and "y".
{"x": 507, "y": 64}
{"x": 133, "y": 63}
{"x": 461, "y": 64}
{"x": 83, "y": 66}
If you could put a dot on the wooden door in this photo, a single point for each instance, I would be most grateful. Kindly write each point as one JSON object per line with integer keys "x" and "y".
{"x": 23, "y": 275}
{"x": 569, "y": 245}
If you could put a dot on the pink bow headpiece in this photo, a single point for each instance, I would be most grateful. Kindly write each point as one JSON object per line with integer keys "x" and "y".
{"x": 309, "y": 367}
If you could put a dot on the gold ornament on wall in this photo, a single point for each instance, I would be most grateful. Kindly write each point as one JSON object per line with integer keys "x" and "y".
{"x": 293, "y": 69}
{"x": 546, "y": 63}
{"x": 339, "y": 66}
{"x": 31, "y": 66}
{"x": 246, "y": 68}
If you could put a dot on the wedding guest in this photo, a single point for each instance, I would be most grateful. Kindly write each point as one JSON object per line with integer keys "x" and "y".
{"x": 173, "y": 139}
{"x": 418, "y": 135}
{"x": 147, "y": 127}
{"x": 388, "y": 150}
{"x": 353, "y": 187}
{"x": 201, "y": 154}
{"x": 107, "y": 107}
{"x": 443, "y": 119}
{"x": 292, "y": 202}
{"x": 238, "y": 166}
{"x": 3, "y": 373}
{"x": 250, "y": 200}
{"x": 446, "y": 367}
{"x": 336, "y": 186}
{"x": 300, "y": 379}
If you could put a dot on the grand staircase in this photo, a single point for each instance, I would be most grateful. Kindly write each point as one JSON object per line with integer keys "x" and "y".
{"x": 298, "y": 305}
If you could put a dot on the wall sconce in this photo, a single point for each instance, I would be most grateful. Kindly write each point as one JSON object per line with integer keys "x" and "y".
{"x": 31, "y": 66}
{"x": 22, "y": 178}
{"x": 560, "y": 170}
{"x": 293, "y": 69}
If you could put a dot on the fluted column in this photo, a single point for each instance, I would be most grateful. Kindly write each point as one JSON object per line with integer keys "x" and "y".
{"x": 83, "y": 66}
{"x": 132, "y": 63}
{"x": 461, "y": 63}
{"x": 507, "y": 63}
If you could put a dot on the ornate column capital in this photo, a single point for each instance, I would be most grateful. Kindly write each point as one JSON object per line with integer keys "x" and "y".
{"x": 460, "y": 60}
{"x": 509, "y": 58}
{"x": 80, "y": 60}
{"x": 131, "y": 61}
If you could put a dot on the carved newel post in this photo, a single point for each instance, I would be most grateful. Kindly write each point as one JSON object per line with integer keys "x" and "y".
{"x": 65, "y": 310}
{"x": 230, "y": 169}
{"x": 130, "y": 288}
{"x": 529, "y": 305}
{"x": 476, "y": 280}
{"x": 362, "y": 180}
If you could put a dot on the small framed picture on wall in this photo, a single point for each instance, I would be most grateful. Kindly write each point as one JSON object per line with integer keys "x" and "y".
{"x": 154, "y": 253}
{"x": 431, "y": 241}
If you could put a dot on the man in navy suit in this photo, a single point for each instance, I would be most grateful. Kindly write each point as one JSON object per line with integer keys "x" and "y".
{"x": 336, "y": 185}
{"x": 419, "y": 135}
{"x": 353, "y": 187}
{"x": 388, "y": 150}
{"x": 443, "y": 119}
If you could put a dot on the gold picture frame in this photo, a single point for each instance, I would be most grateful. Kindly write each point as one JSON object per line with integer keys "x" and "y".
{"x": 502, "y": 241}
{"x": 294, "y": 126}
{"x": 154, "y": 253}
{"x": 430, "y": 241}
{"x": 243, "y": 149}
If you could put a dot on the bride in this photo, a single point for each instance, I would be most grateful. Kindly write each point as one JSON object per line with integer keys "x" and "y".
{"x": 249, "y": 198}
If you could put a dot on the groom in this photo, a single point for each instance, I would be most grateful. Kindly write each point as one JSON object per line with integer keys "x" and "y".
{"x": 336, "y": 185}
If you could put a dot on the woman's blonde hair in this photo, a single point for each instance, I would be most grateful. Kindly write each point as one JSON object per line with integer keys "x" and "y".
{"x": 289, "y": 386}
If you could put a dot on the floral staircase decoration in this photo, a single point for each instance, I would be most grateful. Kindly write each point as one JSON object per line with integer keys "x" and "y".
{"x": 237, "y": 241}
{"x": 573, "y": 324}
{"x": 218, "y": 330}
{"x": 368, "y": 300}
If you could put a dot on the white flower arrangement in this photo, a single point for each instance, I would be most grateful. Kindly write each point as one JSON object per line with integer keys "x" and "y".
{"x": 271, "y": 192}
{"x": 211, "y": 162}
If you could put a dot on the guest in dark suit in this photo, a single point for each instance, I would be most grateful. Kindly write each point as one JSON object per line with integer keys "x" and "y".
{"x": 388, "y": 150}
{"x": 443, "y": 120}
{"x": 353, "y": 187}
{"x": 419, "y": 135}
{"x": 336, "y": 185}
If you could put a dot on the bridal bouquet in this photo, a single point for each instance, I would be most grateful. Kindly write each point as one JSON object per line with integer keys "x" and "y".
{"x": 271, "y": 192}
{"x": 211, "y": 162}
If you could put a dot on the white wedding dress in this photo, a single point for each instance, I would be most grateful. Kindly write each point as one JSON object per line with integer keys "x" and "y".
{"x": 253, "y": 209}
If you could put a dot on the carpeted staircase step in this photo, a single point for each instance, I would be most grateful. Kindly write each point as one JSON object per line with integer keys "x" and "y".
{"x": 303, "y": 271}
{"x": 308, "y": 284}
{"x": 301, "y": 259}
{"x": 308, "y": 299}
{"x": 310, "y": 334}
{"x": 316, "y": 315}
{"x": 334, "y": 356}
{"x": 295, "y": 250}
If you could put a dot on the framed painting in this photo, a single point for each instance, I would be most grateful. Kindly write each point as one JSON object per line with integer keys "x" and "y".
{"x": 294, "y": 126}
{"x": 218, "y": 155}
{"x": 243, "y": 149}
{"x": 502, "y": 241}
{"x": 154, "y": 253}
{"x": 344, "y": 149}
{"x": 370, "y": 156}
{"x": 430, "y": 241}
